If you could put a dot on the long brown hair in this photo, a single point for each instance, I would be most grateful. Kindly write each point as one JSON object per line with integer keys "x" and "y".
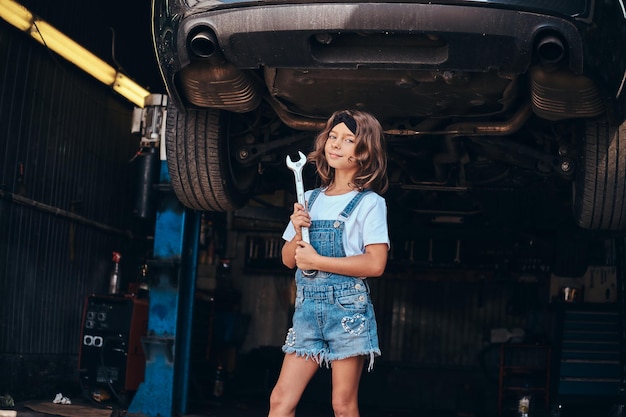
{"x": 370, "y": 153}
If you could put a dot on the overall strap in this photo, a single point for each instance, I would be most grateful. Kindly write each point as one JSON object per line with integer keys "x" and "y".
{"x": 347, "y": 211}
{"x": 312, "y": 198}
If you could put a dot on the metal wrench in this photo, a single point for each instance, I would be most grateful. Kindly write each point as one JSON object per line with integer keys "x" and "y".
{"x": 296, "y": 167}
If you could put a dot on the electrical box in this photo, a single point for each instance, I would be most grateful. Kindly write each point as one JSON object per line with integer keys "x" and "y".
{"x": 111, "y": 353}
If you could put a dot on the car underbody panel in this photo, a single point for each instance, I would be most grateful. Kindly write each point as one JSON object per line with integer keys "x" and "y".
{"x": 477, "y": 98}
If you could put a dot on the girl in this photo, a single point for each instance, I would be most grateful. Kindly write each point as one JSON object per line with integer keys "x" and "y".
{"x": 334, "y": 322}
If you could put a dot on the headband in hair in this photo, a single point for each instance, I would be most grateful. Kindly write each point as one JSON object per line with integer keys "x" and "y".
{"x": 347, "y": 119}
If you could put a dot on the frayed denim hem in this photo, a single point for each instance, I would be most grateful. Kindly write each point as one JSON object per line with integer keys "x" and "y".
{"x": 372, "y": 354}
{"x": 321, "y": 358}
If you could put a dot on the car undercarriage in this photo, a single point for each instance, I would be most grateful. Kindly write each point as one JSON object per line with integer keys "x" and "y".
{"x": 482, "y": 106}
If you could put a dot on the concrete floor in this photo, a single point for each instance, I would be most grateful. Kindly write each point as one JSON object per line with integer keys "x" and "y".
{"x": 258, "y": 408}
{"x": 254, "y": 408}
{"x": 254, "y": 403}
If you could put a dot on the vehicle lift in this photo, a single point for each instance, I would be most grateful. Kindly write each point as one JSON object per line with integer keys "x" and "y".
{"x": 173, "y": 271}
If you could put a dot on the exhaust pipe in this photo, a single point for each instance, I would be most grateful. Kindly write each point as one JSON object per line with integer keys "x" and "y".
{"x": 550, "y": 50}
{"x": 212, "y": 82}
{"x": 203, "y": 44}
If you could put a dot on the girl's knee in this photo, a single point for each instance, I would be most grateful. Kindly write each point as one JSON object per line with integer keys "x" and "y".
{"x": 277, "y": 398}
{"x": 345, "y": 408}
{"x": 280, "y": 403}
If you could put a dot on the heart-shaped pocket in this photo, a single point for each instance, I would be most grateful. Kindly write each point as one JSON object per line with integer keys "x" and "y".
{"x": 355, "y": 324}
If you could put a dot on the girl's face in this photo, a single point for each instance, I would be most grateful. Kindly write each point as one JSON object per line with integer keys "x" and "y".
{"x": 339, "y": 148}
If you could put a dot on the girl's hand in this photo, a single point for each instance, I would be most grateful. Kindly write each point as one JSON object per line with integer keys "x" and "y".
{"x": 306, "y": 256}
{"x": 300, "y": 218}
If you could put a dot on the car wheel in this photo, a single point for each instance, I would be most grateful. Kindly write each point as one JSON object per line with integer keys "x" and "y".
{"x": 202, "y": 169}
{"x": 600, "y": 184}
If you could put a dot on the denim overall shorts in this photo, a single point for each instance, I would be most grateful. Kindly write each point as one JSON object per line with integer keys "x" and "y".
{"x": 334, "y": 316}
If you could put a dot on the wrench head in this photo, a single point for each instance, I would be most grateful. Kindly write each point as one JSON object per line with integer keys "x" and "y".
{"x": 296, "y": 165}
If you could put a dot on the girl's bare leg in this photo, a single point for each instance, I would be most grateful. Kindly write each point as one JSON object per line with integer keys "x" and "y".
{"x": 295, "y": 374}
{"x": 346, "y": 375}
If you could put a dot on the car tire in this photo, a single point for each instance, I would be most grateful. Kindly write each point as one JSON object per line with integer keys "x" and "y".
{"x": 600, "y": 185}
{"x": 201, "y": 168}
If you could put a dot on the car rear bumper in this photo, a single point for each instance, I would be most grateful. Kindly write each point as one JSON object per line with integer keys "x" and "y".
{"x": 463, "y": 37}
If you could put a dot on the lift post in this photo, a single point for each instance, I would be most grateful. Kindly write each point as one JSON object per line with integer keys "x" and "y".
{"x": 172, "y": 273}
{"x": 172, "y": 282}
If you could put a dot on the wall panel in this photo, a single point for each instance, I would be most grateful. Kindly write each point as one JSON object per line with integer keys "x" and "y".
{"x": 65, "y": 145}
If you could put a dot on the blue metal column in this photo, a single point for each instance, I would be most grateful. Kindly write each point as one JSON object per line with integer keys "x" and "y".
{"x": 173, "y": 276}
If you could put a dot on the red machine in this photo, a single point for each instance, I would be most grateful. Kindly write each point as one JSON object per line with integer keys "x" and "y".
{"x": 111, "y": 355}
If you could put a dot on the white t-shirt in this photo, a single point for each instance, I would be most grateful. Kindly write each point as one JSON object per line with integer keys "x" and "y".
{"x": 366, "y": 225}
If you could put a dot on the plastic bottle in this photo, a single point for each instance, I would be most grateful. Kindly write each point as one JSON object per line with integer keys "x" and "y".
{"x": 218, "y": 387}
{"x": 114, "y": 279}
{"x": 523, "y": 407}
{"x": 144, "y": 288}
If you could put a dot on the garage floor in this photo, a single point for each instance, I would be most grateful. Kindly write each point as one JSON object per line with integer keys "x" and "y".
{"x": 246, "y": 402}
{"x": 258, "y": 408}
{"x": 80, "y": 409}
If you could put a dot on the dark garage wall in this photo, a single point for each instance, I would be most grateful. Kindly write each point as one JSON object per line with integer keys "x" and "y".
{"x": 434, "y": 331}
{"x": 65, "y": 146}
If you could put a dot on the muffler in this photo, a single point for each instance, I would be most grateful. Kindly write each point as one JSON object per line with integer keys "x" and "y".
{"x": 559, "y": 94}
{"x": 211, "y": 81}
